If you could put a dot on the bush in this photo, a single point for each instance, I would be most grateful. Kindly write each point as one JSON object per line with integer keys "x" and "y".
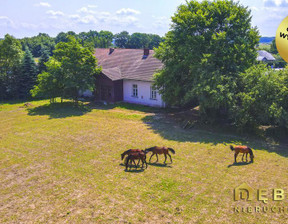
{"x": 262, "y": 99}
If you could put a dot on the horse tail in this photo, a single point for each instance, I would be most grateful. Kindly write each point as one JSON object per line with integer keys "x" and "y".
{"x": 232, "y": 148}
{"x": 171, "y": 150}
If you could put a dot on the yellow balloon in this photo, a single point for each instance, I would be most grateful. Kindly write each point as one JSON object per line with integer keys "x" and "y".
{"x": 282, "y": 39}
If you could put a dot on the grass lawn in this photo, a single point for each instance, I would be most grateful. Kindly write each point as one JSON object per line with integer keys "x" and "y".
{"x": 61, "y": 164}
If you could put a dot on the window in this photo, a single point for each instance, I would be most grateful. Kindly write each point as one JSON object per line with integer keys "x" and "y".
{"x": 153, "y": 93}
{"x": 135, "y": 90}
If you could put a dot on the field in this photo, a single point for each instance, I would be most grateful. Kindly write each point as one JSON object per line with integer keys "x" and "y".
{"x": 61, "y": 164}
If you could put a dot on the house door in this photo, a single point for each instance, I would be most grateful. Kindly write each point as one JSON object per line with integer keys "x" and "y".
{"x": 106, "y": 93}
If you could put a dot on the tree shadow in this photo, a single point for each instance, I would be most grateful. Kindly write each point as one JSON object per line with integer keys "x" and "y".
{"x": 169, "y": 129}
{"x": 59, "y": 110}
{"x": 126, "y": 106}
{"x": 240, "y": 164}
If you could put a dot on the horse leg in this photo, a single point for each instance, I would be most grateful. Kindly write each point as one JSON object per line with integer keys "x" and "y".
{"x": 243, "y": 157}
{"x": 165, "y": 158}
{"x": 157, "y": 157}
{"x": 235, "y": 156}
{"x": 246, "y": 157}
{"x": 142, "y": 163}
{"x": 151, "y": 157}
{"x": 138, "y": 163}
{"x": 170, "y": 157}
{"x": 127, "y": 162}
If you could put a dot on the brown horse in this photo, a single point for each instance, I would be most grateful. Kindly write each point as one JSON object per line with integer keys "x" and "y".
{"x": 160, "y": 150}
{"x": 136, "y": 155}
{"x": 242, "y": 149}
{"x": 128, "y": 152}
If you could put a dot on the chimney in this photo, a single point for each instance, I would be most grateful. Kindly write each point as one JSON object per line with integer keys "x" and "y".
{"x": 146, "y": 51}
{"x": 111, "y": 50}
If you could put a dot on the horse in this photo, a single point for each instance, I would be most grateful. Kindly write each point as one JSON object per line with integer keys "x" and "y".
{"x": 242, "y": 149}
{"x": 128, "y": 152}
{"x": 160, "y": 150}
{"x": 136, "y": 155}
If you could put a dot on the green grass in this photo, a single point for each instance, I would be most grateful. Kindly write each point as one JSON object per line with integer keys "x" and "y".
{"x": 61, "y": 164}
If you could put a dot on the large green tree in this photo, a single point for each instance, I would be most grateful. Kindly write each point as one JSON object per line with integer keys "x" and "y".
{"x": 209, "y": 45}
{"x": 71, "y": 69}
{"x": 38, "y": 43}
{"x": 28, "y": 76}
{"x": 11, "y": 56}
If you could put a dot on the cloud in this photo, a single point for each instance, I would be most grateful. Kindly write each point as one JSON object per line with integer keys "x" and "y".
{"x": 127, "y": 11}
{"x": 89, "y": 19}
{"x": 86, "y": 10}
{"x": 161, "y": 22}
{"x": 125, "y": 21}
{"x": 29, "y": 26}
{"x": 6, "y": 22}
{"x": 275, "y": 3}
{"x": 43, "y": 4}
{"x": 55, "y": 14}
{"x": 92, "y": 6}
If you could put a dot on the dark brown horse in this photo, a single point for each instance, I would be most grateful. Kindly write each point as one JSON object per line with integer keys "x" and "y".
{"x": 160, "y": 150}
{"x": 128, "y": 152}
{"x": 242, "y": 149}
{"x": 134, "y": 156}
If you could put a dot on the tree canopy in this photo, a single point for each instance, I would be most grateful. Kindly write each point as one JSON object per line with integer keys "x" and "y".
{"x": 209, "y": 45}
{"x": 71, "y": 69}
{"x": 137, "y": 40}
{"x": 11, "y": 56}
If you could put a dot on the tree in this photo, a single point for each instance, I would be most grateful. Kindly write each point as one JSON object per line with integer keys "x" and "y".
{"x": 139, "y": 40}
{"x": 50, "y": 83}
{"x": 43, "y": 59}
{"x": 209, "y": 45}
{"x": 38, "y": 43}
{"x": 122, "y": 39}
{"x": 11, "y": 56}
{"x": 27, "y": 78}
{"x": 273, "y": 48}
{"x": 263, "y": 100}
{"x": 70, "y": 70}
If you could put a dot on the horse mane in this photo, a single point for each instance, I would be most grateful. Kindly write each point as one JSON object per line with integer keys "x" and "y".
{"x": 149, "y": 149}
{"x": 124, "y": 153}
{"x": 250, "y": 151}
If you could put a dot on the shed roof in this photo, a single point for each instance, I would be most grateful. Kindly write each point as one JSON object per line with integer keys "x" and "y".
{"x": 262, "y": 55}
{"x": 127, "y": 64}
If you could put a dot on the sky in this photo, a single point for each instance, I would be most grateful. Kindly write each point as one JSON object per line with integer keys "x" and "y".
{"x": 31, "y": 17}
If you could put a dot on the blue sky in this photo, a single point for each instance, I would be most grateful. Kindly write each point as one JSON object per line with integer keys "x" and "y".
{"x": 30, "y": 17}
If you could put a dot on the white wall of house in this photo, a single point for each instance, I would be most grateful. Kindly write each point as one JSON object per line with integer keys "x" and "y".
{"x": 143, "y": 93}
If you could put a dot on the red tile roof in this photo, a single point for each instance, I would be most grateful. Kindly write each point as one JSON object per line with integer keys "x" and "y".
{"x": 127, "y": 64}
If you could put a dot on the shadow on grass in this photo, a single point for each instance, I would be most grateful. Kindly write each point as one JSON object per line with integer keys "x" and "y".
{"x": 240, "y": 164}
{"x": 171, "y": 130}
{"x": 160, "y": 165}
{"x": 59, "y": 110}
{"x": 134, "y": 171}
{"x": 125, "y": 106}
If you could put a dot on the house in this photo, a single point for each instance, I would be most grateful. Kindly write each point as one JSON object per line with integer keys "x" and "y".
{"x": 127, "y": 75}
{"x": 265, "y": 56}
